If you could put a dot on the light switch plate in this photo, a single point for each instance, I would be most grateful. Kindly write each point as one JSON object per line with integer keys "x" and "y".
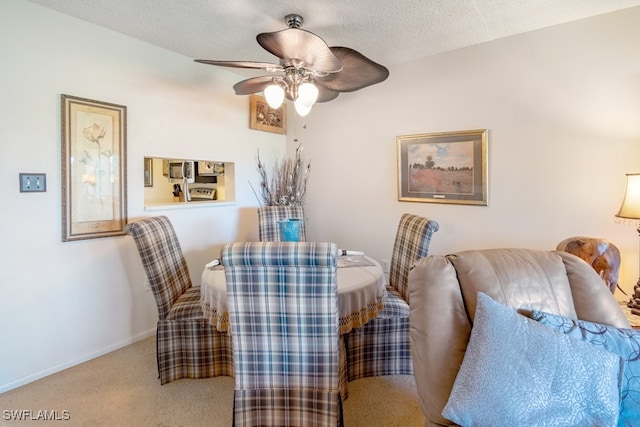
{"x": 33, "y": 182}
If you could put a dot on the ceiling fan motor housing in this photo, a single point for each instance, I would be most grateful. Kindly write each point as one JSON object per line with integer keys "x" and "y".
{"x": 293, "y": 20}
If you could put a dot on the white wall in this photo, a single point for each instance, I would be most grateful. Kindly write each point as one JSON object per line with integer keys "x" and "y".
{"x": 561, "y": 106}
{"x": 63, "y": 303}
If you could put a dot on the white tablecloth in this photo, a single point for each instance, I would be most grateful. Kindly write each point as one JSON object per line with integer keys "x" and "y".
{"x": 361, "y": 289}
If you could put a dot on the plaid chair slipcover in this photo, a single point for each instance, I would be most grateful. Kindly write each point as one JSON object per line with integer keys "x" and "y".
{"x": 381, "y": 347}
{"x": 268, "y": 217}
{"x": 187, "y": 345}
{"x": 283, "y": 315}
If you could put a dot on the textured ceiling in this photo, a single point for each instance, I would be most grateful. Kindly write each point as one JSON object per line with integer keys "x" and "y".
{"x": 386, "y": 31}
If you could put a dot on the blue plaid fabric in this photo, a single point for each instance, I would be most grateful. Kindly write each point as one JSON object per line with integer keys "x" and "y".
{"x": 268, "y": 217}
{"x": 381, "y": 347}
{"x": 283, "y": 316}
{"x": 187, "y": 345}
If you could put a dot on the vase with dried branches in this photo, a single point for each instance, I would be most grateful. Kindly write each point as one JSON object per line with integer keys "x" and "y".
{"x": 288, "y": 182}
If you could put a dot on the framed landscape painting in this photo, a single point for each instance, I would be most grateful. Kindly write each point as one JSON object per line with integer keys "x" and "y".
{"x": 445, "y": 167}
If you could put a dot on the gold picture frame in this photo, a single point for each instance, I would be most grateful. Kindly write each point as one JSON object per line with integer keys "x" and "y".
{"x": 94, "y": 187}
{"x": 444, "y": 167}
{"x": 264, "y": 118}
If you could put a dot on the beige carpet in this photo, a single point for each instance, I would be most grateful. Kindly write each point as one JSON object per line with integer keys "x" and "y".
{"x": 122, "y": 389}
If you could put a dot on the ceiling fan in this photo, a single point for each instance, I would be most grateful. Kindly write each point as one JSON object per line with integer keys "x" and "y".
{"x": 309, "y": 70}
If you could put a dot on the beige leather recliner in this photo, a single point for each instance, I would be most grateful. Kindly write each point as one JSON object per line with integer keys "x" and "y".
{"x": 443, "y": 291}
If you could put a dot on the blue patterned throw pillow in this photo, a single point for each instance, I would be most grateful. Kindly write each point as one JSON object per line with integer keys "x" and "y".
{"x": 623, "y": 342}
{"x": 517, "y": 372}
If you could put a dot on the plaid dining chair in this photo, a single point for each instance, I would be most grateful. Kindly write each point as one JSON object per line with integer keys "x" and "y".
{"x": 283, "y": 315}
{"x": 187, "y": 345}
{"x": 268, "y": 217}
{"x": 381, "y": 346}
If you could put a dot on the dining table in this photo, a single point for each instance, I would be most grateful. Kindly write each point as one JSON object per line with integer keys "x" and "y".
{"x": 361, "y": 288}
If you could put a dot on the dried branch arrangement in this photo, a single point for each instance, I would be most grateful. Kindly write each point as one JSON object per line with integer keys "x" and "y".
{"x": 288, "y": 183}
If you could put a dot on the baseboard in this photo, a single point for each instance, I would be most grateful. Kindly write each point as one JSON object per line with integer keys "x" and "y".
{"x": 61, "y": 367}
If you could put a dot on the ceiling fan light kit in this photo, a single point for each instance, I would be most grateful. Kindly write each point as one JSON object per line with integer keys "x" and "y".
{"x": 309, "y": 70}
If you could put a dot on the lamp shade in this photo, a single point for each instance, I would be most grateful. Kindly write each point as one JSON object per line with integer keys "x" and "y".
{"x": 301, "y": 109}
{"x": 307, "y": 94}
{"x": 274, "y": 94}
{"x": 631, "y": 203}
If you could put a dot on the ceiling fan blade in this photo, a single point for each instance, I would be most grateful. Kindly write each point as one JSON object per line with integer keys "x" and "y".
{"x": 252, "y": 85}
{"x": 325, "y": 95}
{"x": 300, "y": 48}
{"x": 242, "y": 64}
{"x": 358, "y": 71}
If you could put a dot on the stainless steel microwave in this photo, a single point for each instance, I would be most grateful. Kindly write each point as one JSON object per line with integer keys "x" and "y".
{"x": 182, "y": 171}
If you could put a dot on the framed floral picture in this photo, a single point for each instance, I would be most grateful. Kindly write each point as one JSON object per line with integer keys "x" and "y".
{"x": 445, "y": 167}
{"x": 94, "y": 187}
{"x": 262, "y": 117}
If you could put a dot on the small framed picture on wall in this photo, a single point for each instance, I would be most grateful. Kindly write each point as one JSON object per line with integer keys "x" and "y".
{"x": 262, "y": 117}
